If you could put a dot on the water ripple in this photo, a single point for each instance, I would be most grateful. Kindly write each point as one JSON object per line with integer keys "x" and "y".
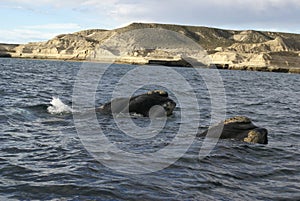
{"x": 42, "y": 157}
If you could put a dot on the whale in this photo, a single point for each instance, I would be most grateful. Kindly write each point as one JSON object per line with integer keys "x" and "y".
{"x": 158, "y": 103}
{"x": 240, "y": 128}
{"x": 152, "y": 103}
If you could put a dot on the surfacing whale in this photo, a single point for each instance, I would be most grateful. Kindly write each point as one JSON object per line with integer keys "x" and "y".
{"x": 239, "y": 128}
{"x": 156, "y": 102}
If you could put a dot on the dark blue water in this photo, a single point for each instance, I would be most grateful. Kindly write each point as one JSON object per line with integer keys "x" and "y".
{"x": 42, "y": 157}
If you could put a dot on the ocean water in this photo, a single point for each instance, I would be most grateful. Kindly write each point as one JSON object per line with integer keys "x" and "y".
{"x": 43, "y": 155}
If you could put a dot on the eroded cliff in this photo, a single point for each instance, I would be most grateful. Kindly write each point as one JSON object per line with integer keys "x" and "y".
{"x": 229, "y": 49}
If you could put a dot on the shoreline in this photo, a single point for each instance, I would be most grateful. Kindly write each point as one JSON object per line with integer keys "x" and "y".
{"x": 167, "y": 63}
{"x": 215, "y": 48}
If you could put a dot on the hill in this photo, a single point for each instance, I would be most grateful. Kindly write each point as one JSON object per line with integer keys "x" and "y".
{"x": 147, "y": 43}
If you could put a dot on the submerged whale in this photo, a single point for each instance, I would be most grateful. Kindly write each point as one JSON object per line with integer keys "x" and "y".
{"x": 238, "y": 128}
{"x": 156, "y": 103}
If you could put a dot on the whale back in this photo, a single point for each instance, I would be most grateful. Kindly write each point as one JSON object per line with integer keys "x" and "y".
{"x": 239, "y": 128}
{"x": 140, "y": 104}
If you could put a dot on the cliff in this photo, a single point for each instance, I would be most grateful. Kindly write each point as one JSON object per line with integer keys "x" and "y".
{"x": 229, "y": 49}
{"x": 6, "y": 50}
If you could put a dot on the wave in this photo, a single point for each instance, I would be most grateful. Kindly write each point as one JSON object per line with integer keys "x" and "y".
{"x": 58, "y": 107}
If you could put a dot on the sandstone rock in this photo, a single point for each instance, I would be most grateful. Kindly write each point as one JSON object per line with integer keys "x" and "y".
{"x": 244, "y": 50}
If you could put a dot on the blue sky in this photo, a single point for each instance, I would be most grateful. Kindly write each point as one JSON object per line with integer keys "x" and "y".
{"x": 28, "y": 21}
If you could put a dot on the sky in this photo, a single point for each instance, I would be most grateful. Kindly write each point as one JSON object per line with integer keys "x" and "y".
{"x": 26, "y": 21}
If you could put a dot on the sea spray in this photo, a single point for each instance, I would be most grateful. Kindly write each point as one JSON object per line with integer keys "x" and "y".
{"x": 58, "y": 107}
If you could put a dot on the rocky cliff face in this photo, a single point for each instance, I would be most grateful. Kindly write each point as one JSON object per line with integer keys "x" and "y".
{"x": 7, "y": 49}
{"x": 250, "y": 50}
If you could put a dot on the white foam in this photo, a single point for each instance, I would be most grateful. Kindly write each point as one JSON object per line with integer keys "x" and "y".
{"x": 58, "y": 107}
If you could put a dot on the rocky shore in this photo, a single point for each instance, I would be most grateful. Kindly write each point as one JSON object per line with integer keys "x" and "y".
{"x": 7, "y": 50}
{"x": 226, "y": 49}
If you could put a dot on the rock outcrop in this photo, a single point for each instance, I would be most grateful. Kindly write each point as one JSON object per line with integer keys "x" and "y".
{"x": 6, "y": 50}
{"x": 227, "y": 49}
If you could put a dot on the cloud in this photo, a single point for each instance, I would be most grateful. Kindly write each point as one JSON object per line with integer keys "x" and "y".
{"x": 263, "y": 14}
{"x": 130, "y": 7}
{"x": 65, "y": 3}
{"x": 36, "y": 33}
{"x": 65, "y": 26}
{"x": 18, "y": 36}
{"x": 213, "y": 12}
{"x": 194, "y": 9}
{"x": 249, "y": 14}
{"x": 282, "y": 15}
